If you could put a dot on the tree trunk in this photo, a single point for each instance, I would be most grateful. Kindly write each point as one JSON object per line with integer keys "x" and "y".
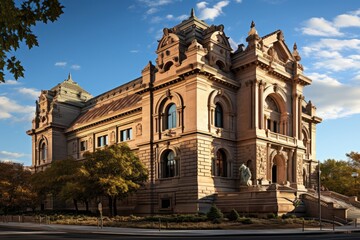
{"x": 110, "y": 206}
{"x": 87, "y": 206}
{"x": 76, "y": 206}
{"x": 115, "y": 207}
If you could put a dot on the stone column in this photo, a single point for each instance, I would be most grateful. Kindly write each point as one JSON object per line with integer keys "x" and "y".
{"x": 261, "y": 104}
{"x": 299, "y": 112}
{"x": 295, "y": 116}
{"x": 290, "y": 165}
{"x": 268, "y": 162}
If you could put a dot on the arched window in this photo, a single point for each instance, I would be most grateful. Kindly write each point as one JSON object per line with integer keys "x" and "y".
{"x": 221, "y": 164}
{"x": 273, "y": 112}
{"x": 169, "y": 165}
{"x": 220, "y": 65}
{"x": 170, "y": 117}
{"x": 43, "y": 151}
{"x": 219, "y": 115}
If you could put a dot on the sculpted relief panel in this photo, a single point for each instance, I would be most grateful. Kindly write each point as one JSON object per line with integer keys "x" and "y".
{"x": 261, "y": 164}
{"x": 299, "y": 168}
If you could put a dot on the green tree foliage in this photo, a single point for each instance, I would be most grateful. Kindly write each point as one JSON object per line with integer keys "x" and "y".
{"x": 62, "y": 179}
{"x": 354, "y": 158}
{"x": 214, "y": 213}
{"x": 16, "y": 21}
{"x": 16, "y": 193}
{"x": 233, "y": 215}
{"x": 115, "y": 172}
{"x": 336, "y": 176}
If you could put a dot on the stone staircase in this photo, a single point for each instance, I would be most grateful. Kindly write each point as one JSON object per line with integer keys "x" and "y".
{"x": 334, "y": 206}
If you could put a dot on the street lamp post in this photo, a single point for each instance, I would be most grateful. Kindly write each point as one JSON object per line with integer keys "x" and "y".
{"x": 319, "y": 195}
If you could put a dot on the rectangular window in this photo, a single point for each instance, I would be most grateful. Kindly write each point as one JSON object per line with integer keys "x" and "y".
{"x": 102, "y": 141}
{"x": 269, "y": 124}
{"x": 165, "y": 203}
{"x": 275, "y": 127}
{"x": 126, "y": 134}
{"x": 83, "y": 145}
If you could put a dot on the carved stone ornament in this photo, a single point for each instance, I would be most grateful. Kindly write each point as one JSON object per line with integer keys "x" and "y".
{"x": 168, "y": 94}
{"x": 139, "y": 129}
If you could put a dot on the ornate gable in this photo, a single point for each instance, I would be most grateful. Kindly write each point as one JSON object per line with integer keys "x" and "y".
{"x": 170, "y": 51}
{"x": 218, "y": 46}
{"x": 275, "y": 46}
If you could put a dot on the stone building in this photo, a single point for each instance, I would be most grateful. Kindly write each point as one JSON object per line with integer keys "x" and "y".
{"x": 194, "y": 118}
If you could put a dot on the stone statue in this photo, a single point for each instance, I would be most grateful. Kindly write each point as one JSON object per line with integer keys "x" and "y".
{"x": 245, "y": 175}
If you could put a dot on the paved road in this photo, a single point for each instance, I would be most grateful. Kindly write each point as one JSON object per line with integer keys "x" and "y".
{"x": 36, "y": 231}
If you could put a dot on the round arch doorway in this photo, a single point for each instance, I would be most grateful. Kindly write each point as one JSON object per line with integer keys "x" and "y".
{"x": 278, "y": 171}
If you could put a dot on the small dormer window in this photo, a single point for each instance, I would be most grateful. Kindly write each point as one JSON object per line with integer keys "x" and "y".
{"x": 220, "y": 65}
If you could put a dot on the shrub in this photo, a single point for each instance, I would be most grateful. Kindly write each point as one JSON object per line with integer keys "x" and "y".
{"x": 214, "y": 213}
{"x": 271, "y": 216}
{"x": 217, "y": 220}
{"x": 245, "y": 220}
{"x": 233, "y": 215}
{"x": 285, "y": 216}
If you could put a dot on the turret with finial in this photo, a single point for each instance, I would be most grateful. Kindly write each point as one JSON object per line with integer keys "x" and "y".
{"x": 192, "y": 13}
{"x": 295, "y": 53}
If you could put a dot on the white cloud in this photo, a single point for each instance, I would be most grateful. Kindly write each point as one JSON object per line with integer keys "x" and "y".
{"x": 332, "y": 44}
{"x": 151, "y": 3}
{"x": 10, "y": 82}
{"x": 238, "y": 1}
{"x": 210, "y": 13}
{"x": 11, "y": 154}
{"x": 332, "y": 98}
{"x": 152, "y": 11}
{"x": 6, "y": 156}
{"x": 60, "y": 64}
{"x": 320, "y": 27}
{"x": 156, "y": 19}
{"x": 134, "y": 51}
{"x": 31, "y": 92}
{"x": 338, "y": 64}
{"x": 324, "y": 79}
{"x": 178, "y": 18}
{"x": 5, "y": 115}
{"x": 75, "y": 67}
{"x": 346, "y": 20}
{"x": 10, "y": 109}
{"x": 201, "y": 5}
{"x": 334, "y": 54}
{"x": 233, "y": 44}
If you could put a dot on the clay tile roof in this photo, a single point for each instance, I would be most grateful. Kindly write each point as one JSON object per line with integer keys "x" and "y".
{"x": 108, "y": 108}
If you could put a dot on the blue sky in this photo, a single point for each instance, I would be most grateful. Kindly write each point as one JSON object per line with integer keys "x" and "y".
{"x": 105, "y": 43}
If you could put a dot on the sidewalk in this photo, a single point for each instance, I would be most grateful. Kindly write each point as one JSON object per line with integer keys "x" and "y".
{"x": 156, "y": 232}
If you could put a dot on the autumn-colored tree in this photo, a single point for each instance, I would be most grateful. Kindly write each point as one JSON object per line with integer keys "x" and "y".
{"x": 16, "y": 21}
{"x": 114, "y": 172}
{"x": 336, "y": 175}
{"x": 16, "y": 193}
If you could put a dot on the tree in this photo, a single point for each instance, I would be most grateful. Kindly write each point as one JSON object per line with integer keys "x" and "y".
{"x": 114, "y": 172}
{"x": 62, "y": 179}
{"x": 354, "y": 158}
{"x": 15, "y": 27}
{"x": 16, "y": 193}
{"x": 336, "y": 176}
